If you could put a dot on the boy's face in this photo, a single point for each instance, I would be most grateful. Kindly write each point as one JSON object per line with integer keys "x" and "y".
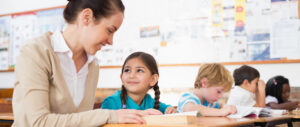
{"x": 253, "y": 85}
{"x": 285, "y": 92}
{"x": 214, "y": 93}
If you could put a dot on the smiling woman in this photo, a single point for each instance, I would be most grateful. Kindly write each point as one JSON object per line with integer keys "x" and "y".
{"x": 57, "y": 75}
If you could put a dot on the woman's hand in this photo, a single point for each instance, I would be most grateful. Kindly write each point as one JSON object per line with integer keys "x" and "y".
{"x": 152, "y": 112}
{"x": 170, "y": 110}
{"x": 135, "y": 116}
{"x": 130, "y": 116}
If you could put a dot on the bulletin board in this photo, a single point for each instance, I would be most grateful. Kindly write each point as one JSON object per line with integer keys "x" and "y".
{"x": 179, "y": 33}
{"x": 17, "y": 28}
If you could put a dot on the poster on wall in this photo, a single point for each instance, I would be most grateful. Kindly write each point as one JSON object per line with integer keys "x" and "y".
{"x": 50, "y": 20}
{"x": 285, "y": 39}
{"x": 4, "y": 41}
{"x": 23, "y": 28}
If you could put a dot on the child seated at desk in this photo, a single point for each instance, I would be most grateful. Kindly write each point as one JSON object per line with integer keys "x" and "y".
{"x": 211, "y": 82}
{"x": 247, "y": 88}
{"x": 278, "y": 92}
{"x": 139, "y": 74}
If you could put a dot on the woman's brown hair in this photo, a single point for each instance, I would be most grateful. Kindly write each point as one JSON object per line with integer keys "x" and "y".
{"x": 100, "y": 8}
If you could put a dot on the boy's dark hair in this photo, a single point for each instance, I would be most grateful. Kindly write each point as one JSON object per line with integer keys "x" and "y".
{"x": 274, "y": 87}
{"x": 100, "y": 8}
{"x": 245, "y": 72}
{"x": 151, "y": 64}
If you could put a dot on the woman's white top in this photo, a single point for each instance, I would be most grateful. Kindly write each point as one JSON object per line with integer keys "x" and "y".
{"x": 76, "y": 80}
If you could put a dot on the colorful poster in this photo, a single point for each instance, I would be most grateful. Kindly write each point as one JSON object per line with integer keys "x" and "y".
{"x": 240, "y": 15}
{"x": 4, "y": 41}
{"x": 23, "y": 27}
{"x": 50, "y": 20}
{"x": 217, "y": 18}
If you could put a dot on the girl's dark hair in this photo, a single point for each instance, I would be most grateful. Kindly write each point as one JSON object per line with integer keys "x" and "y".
{"x": 274, "y": 87}
{"x": 151, "y": 64}
{"x": 245, "y": 72}
{"x": 100, "y": 8}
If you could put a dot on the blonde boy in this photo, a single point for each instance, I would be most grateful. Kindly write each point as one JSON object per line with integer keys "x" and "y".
{"x": 212, "y": 81}
{"x": 248, "y": 90}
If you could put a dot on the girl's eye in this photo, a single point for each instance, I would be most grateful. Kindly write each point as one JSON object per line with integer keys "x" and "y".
{"x": 140, "y": 70}
{"x": 126, "y": 70}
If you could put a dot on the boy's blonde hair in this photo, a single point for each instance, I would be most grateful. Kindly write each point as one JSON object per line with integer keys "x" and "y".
{"x": 216, "y": 74}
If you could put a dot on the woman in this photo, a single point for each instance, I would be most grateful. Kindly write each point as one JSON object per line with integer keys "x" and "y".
{"x": 57, "y": 75}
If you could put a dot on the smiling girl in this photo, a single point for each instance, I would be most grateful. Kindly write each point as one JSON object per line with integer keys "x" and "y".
{"x": 139, "y": 75}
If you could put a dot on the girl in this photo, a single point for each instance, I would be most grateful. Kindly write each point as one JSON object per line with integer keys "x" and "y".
{"x": 56, "y": 73}
{"x": 139, "y": 74}
{"x": 278, "y": 92}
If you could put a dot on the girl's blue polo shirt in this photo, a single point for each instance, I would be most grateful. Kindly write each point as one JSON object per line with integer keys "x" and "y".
{"x": 114, "y": 102}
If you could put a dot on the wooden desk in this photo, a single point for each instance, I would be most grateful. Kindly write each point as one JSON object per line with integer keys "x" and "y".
{"x": 200, "y": 122}
{"x": 272, "y": 121}
{"x": 295, "y": 118}
{"x": 6, "y": 118}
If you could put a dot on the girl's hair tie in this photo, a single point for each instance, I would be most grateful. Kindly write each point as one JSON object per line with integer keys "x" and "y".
{"x": 274, "y": 81}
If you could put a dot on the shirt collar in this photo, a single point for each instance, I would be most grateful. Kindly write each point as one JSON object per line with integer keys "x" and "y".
{"x": 60, "y": 46}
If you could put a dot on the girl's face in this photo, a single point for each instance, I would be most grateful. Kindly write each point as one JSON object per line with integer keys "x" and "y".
{"x": 213, "y": 93}
{"x": 95, "y": 35}
{"x": 285, "y": 92}
{"x": 136, "y": 77}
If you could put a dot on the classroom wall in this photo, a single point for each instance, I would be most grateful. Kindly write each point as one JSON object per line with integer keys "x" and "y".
{"x": 181, "y": 76}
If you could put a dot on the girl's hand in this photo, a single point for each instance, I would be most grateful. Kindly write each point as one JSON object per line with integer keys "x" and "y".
{"x": 152, "y": 112}
{"x": 170, "y": 110}
{"x": 228, "y": 110}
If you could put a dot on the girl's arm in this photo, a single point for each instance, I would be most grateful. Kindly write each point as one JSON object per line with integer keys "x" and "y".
{"x": 286, "y": 105}
{"x": 207, "y": 111}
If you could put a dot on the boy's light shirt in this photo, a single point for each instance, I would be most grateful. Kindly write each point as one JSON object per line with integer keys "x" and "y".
{"x": 192, "y": 98}
{"x": 241, "y": 97}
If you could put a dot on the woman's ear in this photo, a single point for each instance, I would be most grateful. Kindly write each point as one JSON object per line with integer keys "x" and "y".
{"x": 154, "y": 80}
{"x": 86, "y": 16}
{"x": 204, "y": 82}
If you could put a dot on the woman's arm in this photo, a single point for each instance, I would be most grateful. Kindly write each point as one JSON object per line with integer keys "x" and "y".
{"x": 31, "y": 100}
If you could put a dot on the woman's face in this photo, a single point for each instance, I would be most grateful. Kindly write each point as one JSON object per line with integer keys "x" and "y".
{"x": 285, "y": 92}
{"x": 100, "y": 33}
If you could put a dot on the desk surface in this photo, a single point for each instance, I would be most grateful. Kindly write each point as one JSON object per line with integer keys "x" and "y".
{"x": 200, "y": 122}
{"x": 296, "y": 116}
{"x": 6, "y": 116}
{"x": 273, "y": 118}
